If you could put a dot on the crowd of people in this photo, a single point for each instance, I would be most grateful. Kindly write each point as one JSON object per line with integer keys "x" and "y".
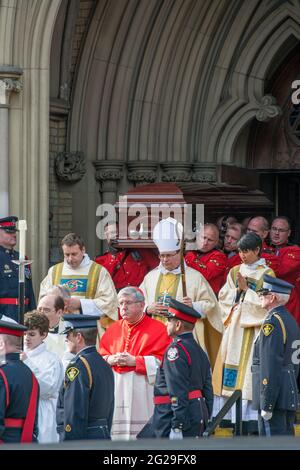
{"x": 151, "y": 343}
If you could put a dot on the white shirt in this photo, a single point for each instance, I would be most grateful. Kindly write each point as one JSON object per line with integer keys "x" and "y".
{"x": 48, "y": 369}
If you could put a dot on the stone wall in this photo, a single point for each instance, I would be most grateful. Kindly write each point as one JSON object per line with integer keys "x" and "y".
{"x": 60, "y": 193}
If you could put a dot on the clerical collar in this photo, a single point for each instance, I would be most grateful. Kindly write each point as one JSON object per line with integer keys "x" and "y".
{"x": 259, "y": 262}
{"x": 163, "y": 270}
{"x": 54, "y": 330}
{"x": 85, "y": 262}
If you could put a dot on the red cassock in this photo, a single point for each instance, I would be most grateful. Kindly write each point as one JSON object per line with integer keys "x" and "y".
{"x": 288, "y": 269}
{"x": 211, "y": 265}
{"x": 129, "y": 267}
{"x": 146, "y": 338}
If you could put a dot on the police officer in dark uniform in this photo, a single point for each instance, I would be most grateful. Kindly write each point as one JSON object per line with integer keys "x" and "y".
{"x": 86, "y": 400}
{"x": 183, "y": 394}
{"x": 9, "y": 272}
{"x": 275, "y": 365}
{"x": 19, "y": 389}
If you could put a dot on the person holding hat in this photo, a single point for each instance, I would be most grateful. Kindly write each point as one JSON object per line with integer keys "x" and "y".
{"x": 86, "y": 399}
{"x": 165, "y": 282}
{"x": 9, "y": 272}
{"x": 183, "y": 394}
{"x": 242, "y": 316}
{"x": 275, "y": 365}
{"x": 19, "y": 389}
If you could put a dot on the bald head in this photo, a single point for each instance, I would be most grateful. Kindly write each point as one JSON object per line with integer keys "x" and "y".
{"x": 208, "y": 238}
{"x": 260, "y": 226}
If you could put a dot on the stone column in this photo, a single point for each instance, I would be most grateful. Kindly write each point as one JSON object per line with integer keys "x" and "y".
{"x": 9, "y": 83}
{"x": 142, "y": 172}
{"x": 108, "y": 174}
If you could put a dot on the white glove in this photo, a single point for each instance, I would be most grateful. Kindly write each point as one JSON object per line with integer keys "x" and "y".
{"x": 175, "y": 434}
{"x": 266, "y": 415}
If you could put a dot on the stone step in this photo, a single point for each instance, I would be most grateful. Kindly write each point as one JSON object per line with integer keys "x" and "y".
{"x": 229, "y": 432}
{"x": 223, "y": 432}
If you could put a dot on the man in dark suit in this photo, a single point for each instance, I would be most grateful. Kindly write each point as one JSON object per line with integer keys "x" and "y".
{"x": 275, "y": 365}
{"x": 86, "y": 400}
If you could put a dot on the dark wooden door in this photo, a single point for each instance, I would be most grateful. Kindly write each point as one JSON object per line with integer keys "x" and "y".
{"x": 289, "y": 201}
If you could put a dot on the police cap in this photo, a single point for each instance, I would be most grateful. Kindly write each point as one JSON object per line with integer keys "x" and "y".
{"x": 79, "y": 322}
{"x": 9, "y": 224}
{"x": 12, "y": 328}
{"x": 182, "y": 312}
{"x": 273, "y": 284}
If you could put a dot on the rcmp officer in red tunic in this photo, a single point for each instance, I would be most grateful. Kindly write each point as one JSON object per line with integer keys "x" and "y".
{"x": 127, "y": 267}
{"x": 86, "y": 400}
{"x": 208, "y": 260}
{"x": 183, "y": 394}
{"x": 9, "y": 272}
{"x": 275, "y": 365}
{"x": 288, "y": 256}
{"x": 19, "y": 389}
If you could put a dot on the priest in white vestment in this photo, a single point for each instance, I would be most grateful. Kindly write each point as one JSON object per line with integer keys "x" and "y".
{"x": 165, "y": 282}
{"x": 242, "y": 317}
{"x": 91, "y": 287}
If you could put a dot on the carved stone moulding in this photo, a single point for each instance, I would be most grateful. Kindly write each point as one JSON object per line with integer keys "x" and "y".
{"x": 175, "y": 172}
{"x": 204, "y": 173}
{"x": 9, "y": 83}
{"x": 108, "y": 170}
{"x": 70, "y": 166}
{"x": 268, "y": 109}
{"x": 142, "y": 172}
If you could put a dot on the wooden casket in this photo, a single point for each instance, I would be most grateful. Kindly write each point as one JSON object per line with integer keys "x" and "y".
{"x": 143, "y": 206}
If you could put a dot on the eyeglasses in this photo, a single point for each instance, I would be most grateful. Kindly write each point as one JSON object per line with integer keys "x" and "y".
{"x": 279, "y": 230}
{"x": 127, "y": 303}
{"x": 45, "y": 310}
{"x": 167, "y": 255}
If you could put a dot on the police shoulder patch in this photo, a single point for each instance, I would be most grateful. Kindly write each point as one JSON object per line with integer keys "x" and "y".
{"x": 172, "y": 354}
{"x": 72, "y": 373}
{"x": 267, "y": 329}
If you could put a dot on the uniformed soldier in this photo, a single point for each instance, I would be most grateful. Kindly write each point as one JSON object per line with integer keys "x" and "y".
{"x": 86, "y": 400}
{"x": 9, "y": 272}
{"x": 183, "y": 394}
{"x": 19, "y": 389}
{"x": 275, "y": 365}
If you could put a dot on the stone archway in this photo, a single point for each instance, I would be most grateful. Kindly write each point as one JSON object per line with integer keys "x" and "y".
{"x": 26, "y": 34}
{"x": 274, "y": 145}
{"x": 167, "y": 91}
